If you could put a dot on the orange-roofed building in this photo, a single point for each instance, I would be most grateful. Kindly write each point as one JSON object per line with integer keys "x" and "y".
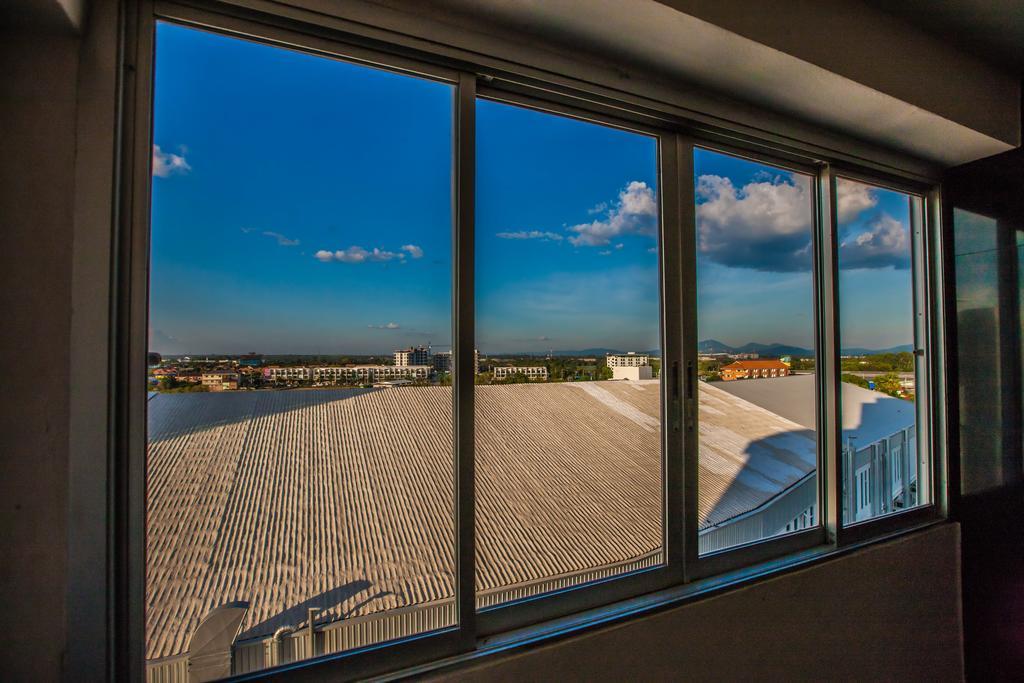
{"x": 754, "y": 369}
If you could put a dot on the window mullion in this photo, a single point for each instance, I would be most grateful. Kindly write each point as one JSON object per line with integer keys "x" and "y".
{"x": 676, "y": 176}
{"x": 831, "y": 464}
{"x": 688, "y": 308}
{"x": 463, "y": 335}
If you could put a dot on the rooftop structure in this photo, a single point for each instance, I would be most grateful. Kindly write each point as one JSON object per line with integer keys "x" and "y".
{"x": 635, "y": 373}
{"x": 247, "y": 489}
{"x": 879, "y": 436}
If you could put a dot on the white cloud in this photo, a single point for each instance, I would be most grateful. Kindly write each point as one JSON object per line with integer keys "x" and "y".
{"x": 413, "y": 250}
{"x": 281, "y": 239}
{"x": 166, "y": 163}
{"x": 600, "y": 208}
{"x": 357, "y": 254}
{"x": 652, "y": 250}
{"x": 853, "y": 199}
{"x": 620, "y": 245}
{"x": 884, "y": 242}
{"x": 604, "y": 253}
{"x": 388, "y": 326}
{"x": 530, "y": 235}
{"x": 634, "y": 213}
{"x": 765, "y": 225}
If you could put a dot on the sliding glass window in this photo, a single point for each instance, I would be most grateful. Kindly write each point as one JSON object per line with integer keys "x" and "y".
{"x": 756, "y": 400}
{"x": 885, "y": 462}
{"x": 569, "y": 484}
{"x": 300, "y": 453}
{"x": 652, "y": 325}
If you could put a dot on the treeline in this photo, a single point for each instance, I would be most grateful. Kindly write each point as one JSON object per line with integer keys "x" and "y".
{"x": 881, "y": 362}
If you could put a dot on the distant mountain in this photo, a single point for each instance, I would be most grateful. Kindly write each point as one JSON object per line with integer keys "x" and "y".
{"x": 859, "y": 351}
{"x": 776, "y": 349}
{"x": 714, "y": 346}
{"x": 773, "y": 349}
{"x": 594, "y": 352}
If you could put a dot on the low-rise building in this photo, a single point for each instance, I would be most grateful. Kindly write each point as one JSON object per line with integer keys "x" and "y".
{"x": 291, "y": 373}
{"x": 634, "y": 373}
{"x": 627, "y": 360}
{"x": 754, "y": 369}
{"x": 220, "y": 380}
{"x": 369, "y": 373}
{"x": 533, "y": 372}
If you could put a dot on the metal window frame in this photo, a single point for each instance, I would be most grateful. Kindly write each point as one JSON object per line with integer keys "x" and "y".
{"x": 360, "y": 662}
{"x": 929, "y": 325}
{"x": 728, "y": 559}
{"x": 677, "y": 135}
{"x": 516, "y": 614}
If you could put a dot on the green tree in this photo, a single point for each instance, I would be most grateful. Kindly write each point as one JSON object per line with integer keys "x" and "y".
{"x": 889, "y": 383}
{"x": 854, "y": 379}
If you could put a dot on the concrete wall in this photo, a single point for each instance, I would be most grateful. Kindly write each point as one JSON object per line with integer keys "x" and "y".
{"x": 890, "y": 612}
{"x": 37, "y": 151}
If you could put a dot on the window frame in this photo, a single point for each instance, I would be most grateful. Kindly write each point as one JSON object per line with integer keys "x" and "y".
{"x": 727, "y": 559}
{"x": 929, "y": 323}
{"x": 358, "y": 662}
{"x": 677, "y": 136}
{"x": 518, "y": 613}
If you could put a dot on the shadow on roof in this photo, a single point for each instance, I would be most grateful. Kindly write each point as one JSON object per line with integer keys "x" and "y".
{"x": 297, "y": 616}
{"x": 758, "y": 482}
{"x": 173, "y": 415}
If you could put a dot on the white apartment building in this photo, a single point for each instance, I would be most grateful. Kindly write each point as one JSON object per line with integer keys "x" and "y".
{"x": 286, "y": 374}
{"x": 417, "y": 355}
{"x": 537, "y": 372}
{"x": 370, "y": 373}
{"x": 628, "y": 360}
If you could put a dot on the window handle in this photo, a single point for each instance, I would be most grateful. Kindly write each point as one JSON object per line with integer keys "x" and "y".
{"x": 676, "y": 403}
{"x": 691, "y": 408}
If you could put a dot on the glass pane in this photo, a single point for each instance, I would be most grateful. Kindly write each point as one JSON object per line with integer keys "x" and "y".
{"x": 987, "y": 461}
{"x": 568, "y": 401}
{"x": 755, "y": 325}
{"x": 300, "y": 480}
{"x": 884, "y": 470}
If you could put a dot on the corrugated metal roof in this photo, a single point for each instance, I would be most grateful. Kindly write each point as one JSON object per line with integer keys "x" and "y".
{"x": 342, "y": 498}
{"x": 867, "y": 415}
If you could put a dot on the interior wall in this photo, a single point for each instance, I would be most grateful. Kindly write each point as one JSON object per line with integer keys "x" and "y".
{"x": 37, "y": 149}
{"x": 888, "y": 612}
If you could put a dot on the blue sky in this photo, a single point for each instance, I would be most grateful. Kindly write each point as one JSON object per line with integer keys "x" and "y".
{"x": 754, "y": 257}
{"x": 303, "y": 205}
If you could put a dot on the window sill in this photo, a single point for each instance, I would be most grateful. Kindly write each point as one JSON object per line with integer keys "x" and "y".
{"x": 644, "y": 605}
